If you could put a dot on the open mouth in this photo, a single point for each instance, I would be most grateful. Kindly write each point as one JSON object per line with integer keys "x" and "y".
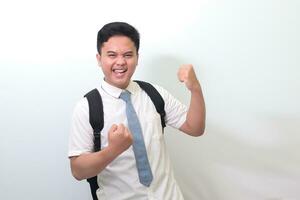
{"x": 119, "y": 72}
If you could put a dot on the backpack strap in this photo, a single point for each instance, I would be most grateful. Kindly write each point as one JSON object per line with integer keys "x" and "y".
{"x": 97, "y": 122}
{"x": 156, "y": 98}
{"x": 96, "y": 116}
{"x": 93, "y": 186}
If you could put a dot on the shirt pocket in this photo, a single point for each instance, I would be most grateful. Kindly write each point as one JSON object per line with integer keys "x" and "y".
{"x": 152, "y": 128}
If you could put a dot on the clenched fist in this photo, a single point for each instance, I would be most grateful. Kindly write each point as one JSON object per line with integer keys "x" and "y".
{"x": 119, "y": 138}
{"x": 187, "y": 75}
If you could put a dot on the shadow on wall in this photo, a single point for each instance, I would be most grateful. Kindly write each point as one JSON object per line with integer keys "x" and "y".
{"x": 222, "y": 166}
{"x": 162, "y": 70}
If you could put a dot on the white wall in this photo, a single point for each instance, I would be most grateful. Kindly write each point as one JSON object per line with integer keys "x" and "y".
{"x": 246, "y": 54}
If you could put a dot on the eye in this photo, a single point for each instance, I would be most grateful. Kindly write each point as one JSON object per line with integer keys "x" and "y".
{"x": 111, "y": 55}
{"x": 128, "y": 55}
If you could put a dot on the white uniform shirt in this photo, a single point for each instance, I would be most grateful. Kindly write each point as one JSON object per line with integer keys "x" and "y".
{"x": 119, "y": 180}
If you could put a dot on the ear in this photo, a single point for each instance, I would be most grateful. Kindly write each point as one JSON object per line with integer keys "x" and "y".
{"x": 98, "y": 57}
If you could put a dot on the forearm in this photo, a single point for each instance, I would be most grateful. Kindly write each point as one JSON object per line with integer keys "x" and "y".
{"x": 195, "y": 119}
{"x": 89, "y": 165}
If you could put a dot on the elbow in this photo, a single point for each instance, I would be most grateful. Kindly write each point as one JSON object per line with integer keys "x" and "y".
{"x": 194, "y": 131}
{"x": 76, "y": 170}
{"x": 201, "y": 130}
{"x": 77, "y": 175}
{"x": 198, "y": 133}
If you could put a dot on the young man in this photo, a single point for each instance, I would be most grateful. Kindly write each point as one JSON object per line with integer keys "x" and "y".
{"x": 116, "y": 164}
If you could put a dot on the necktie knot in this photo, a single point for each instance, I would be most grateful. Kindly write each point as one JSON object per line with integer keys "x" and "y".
{"x": 125, "y": 95}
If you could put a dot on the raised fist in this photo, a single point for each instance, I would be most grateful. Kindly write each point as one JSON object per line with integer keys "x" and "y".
{"x": 187, "y": 75}
{"x": 119, "y": 138}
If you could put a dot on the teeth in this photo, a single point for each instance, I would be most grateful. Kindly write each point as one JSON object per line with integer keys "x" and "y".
{"x": 119, "y": 70}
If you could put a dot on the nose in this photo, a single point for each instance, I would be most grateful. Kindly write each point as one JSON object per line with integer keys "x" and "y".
{"x": 121, "y": 61}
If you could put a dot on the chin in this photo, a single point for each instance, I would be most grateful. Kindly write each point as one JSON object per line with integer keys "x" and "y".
{"x": 121, "y": 84}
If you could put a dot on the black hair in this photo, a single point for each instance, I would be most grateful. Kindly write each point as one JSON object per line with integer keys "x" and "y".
{"x": 115, "y": 29}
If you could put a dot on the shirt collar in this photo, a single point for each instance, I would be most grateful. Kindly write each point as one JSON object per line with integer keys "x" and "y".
{"x": 115, "y": 91}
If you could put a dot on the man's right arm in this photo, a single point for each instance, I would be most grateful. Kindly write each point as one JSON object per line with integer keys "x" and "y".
{"x": 91, "y": 164}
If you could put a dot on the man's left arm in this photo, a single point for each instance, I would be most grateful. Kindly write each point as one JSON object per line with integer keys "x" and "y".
{"x": 194, "y": 124}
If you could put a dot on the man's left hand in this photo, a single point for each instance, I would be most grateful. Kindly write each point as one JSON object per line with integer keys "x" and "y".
{"x": 187, "y": 75}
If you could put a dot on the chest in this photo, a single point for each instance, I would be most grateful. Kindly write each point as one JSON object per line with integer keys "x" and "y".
{"x": 114, "y": 110}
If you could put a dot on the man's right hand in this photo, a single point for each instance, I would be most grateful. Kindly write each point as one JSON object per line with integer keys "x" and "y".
{"x": 88, "y": 165}
{"x": 119, "y": 138}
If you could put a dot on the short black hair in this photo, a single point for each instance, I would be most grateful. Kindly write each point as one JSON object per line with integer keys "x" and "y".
{"x": 115, "y": 29}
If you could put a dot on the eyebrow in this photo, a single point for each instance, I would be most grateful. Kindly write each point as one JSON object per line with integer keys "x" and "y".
{"x": 127, "y": 52}
{"x": 110, "y": 52}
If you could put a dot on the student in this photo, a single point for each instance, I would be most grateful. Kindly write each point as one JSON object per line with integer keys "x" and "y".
{"x": 115, "y": 165}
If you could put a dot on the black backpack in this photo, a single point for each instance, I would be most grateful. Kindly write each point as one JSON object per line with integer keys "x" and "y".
{"x": 97, "y": 121}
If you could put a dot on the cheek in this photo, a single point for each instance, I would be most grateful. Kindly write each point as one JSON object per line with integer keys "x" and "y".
{"x": 132, "y": 67}
{"x": 133, "y": 63}
{"x": 106, "y": 65}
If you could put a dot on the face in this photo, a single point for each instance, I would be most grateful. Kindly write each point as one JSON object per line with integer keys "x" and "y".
{"x": 118, "y": 60}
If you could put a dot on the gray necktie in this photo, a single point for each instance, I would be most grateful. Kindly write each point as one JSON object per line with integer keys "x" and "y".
{"x": 139, "y": 149}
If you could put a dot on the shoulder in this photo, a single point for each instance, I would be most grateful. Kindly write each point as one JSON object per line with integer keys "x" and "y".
{"x": 81, "y": 107}
{"x": 163, "y": 92}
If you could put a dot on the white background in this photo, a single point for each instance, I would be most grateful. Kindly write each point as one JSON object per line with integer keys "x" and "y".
{"x": 245, "y": 53}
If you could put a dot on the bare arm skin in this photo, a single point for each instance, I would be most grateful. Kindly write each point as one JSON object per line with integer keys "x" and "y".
{"x": 90, "y": 164}
{"x": 195, "y": 120}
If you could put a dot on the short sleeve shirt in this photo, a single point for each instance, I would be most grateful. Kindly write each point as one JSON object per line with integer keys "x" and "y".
{"x": 119, "y": 180}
